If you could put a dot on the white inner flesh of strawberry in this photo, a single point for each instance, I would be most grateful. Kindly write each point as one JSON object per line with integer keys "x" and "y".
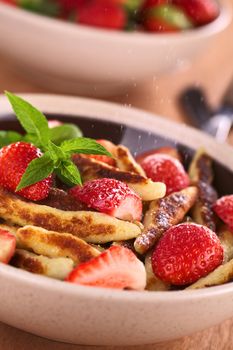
{"x": 129, "y": 209}
{"x": 6, "y": 249}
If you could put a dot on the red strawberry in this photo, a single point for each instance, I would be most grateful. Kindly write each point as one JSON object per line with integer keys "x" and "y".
{"x": 152, "y": 3}
{"x": 186, "y": 253}
{"x": 103, "y": 14}
{"x": 110, "y": 147}
{"x": 10, "y": 2}
{"x": 71, "y": 5}
{"x": 171, "y": 151}
{"x": 7, "y": 246}
{"x": 224, "y": 209}
{"x": 14, "y": 159}
{"x": 111, "y": 197}
{"x": 200, "y": 11}
{"x": 117, "y": 267}
{"x": 166, "y": 169}
{"x": 165, "y": 18}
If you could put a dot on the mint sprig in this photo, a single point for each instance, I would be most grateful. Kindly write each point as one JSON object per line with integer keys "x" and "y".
{"x": 63, "y": 132}
{"x": 32, "y": 120}
{"x": 56, "y": 159}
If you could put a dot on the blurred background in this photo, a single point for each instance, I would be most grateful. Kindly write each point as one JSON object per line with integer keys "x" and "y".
{"x": 199, "y": 57}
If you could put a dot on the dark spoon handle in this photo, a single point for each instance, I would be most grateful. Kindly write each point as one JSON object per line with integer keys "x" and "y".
{"x": 194, "y": 103}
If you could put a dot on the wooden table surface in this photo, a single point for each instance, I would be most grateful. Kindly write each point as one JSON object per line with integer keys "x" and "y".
{"x": 213, "y": 70}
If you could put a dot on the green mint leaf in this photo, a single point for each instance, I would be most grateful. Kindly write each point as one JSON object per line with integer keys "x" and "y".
{"x": 31, "y": 119}
{"x": 8, "y": 137}
{"x": 84, "y": 145}
{"x": 44, "y": 7}
{"x": 60, "y": 133}
{"x": 56, "y": 153}
{"x": 37, "y": 170}
{"x": 69, "y": 173}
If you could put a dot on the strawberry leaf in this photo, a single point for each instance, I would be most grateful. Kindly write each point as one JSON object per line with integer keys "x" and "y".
{"x": 84, "y": 145}
{"x": 69, "y": 173}
{"x": 37, "y": 170}
{"x": 32, "y": 120}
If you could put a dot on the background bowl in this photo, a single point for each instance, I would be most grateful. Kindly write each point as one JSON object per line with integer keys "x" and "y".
{"x": 96, "y": 316}
{"x": 79, "y": 59}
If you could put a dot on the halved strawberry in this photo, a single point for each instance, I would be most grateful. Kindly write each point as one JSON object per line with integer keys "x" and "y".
{"x": 171, "y": 151}
{"x": 14, "y": 160}
{"x": 7, "y": 246}
{"x": 224, "y": 209}
{"x": 166, "y": 169}
{"x": 200, "y": 11}
{"x": 117, "y": 267}
{"x": 186, "y": 253}
{"x": 111, "y": 197}
{"x": 110, "y": 147}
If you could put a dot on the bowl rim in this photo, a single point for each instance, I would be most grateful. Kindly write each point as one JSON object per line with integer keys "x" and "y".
{"x": 90, "y": 108}
{"x": 216, "y": 26}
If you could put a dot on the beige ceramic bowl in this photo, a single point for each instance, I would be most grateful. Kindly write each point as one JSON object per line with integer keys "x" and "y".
{"x": 96, "y": 316}
{"x": 79, "y": 59}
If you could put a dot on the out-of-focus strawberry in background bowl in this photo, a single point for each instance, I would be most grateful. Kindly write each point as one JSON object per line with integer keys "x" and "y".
{"x": 101, "y": 47}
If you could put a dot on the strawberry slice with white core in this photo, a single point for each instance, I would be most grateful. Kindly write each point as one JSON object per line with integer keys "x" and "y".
{"x": 111, "y": 197}
{"x": 7, "y": 246}
{"x": 117, "y": 267}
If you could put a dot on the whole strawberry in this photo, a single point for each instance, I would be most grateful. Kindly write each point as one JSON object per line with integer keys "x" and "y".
{"x": 200, "y": 11}
{"x": 103, "y": 14}
{"x": 166, "y": 169}
{"x": 224, "y": 209}
{"x": 186, "y": 253}
{"x": 117, "y": 267}
{"x": 14, "y": 159}
{"x": 111, "y": 197}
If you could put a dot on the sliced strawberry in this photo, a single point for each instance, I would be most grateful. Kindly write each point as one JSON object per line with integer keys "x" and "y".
{"x": 171, "y": 151}
{"x": 117, "y": 267}
{"x": 14, "y": 160}
{"x": 166, "y": 169}
{"x": 186, "y": 253}
{"x": 165, "y": 18}
{"x": 111, "y": 197}
{"x": 200, "y": 11}
{"x": 103, "y": 14}
{"x": 7, "y": 246}
{"x": 53, "y": 123}
{"x": 224, "y": 209}
{"x": 110, "y": 147}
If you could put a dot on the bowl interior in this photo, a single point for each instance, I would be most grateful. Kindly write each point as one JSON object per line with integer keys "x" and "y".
{"x": 136, "y": 140}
